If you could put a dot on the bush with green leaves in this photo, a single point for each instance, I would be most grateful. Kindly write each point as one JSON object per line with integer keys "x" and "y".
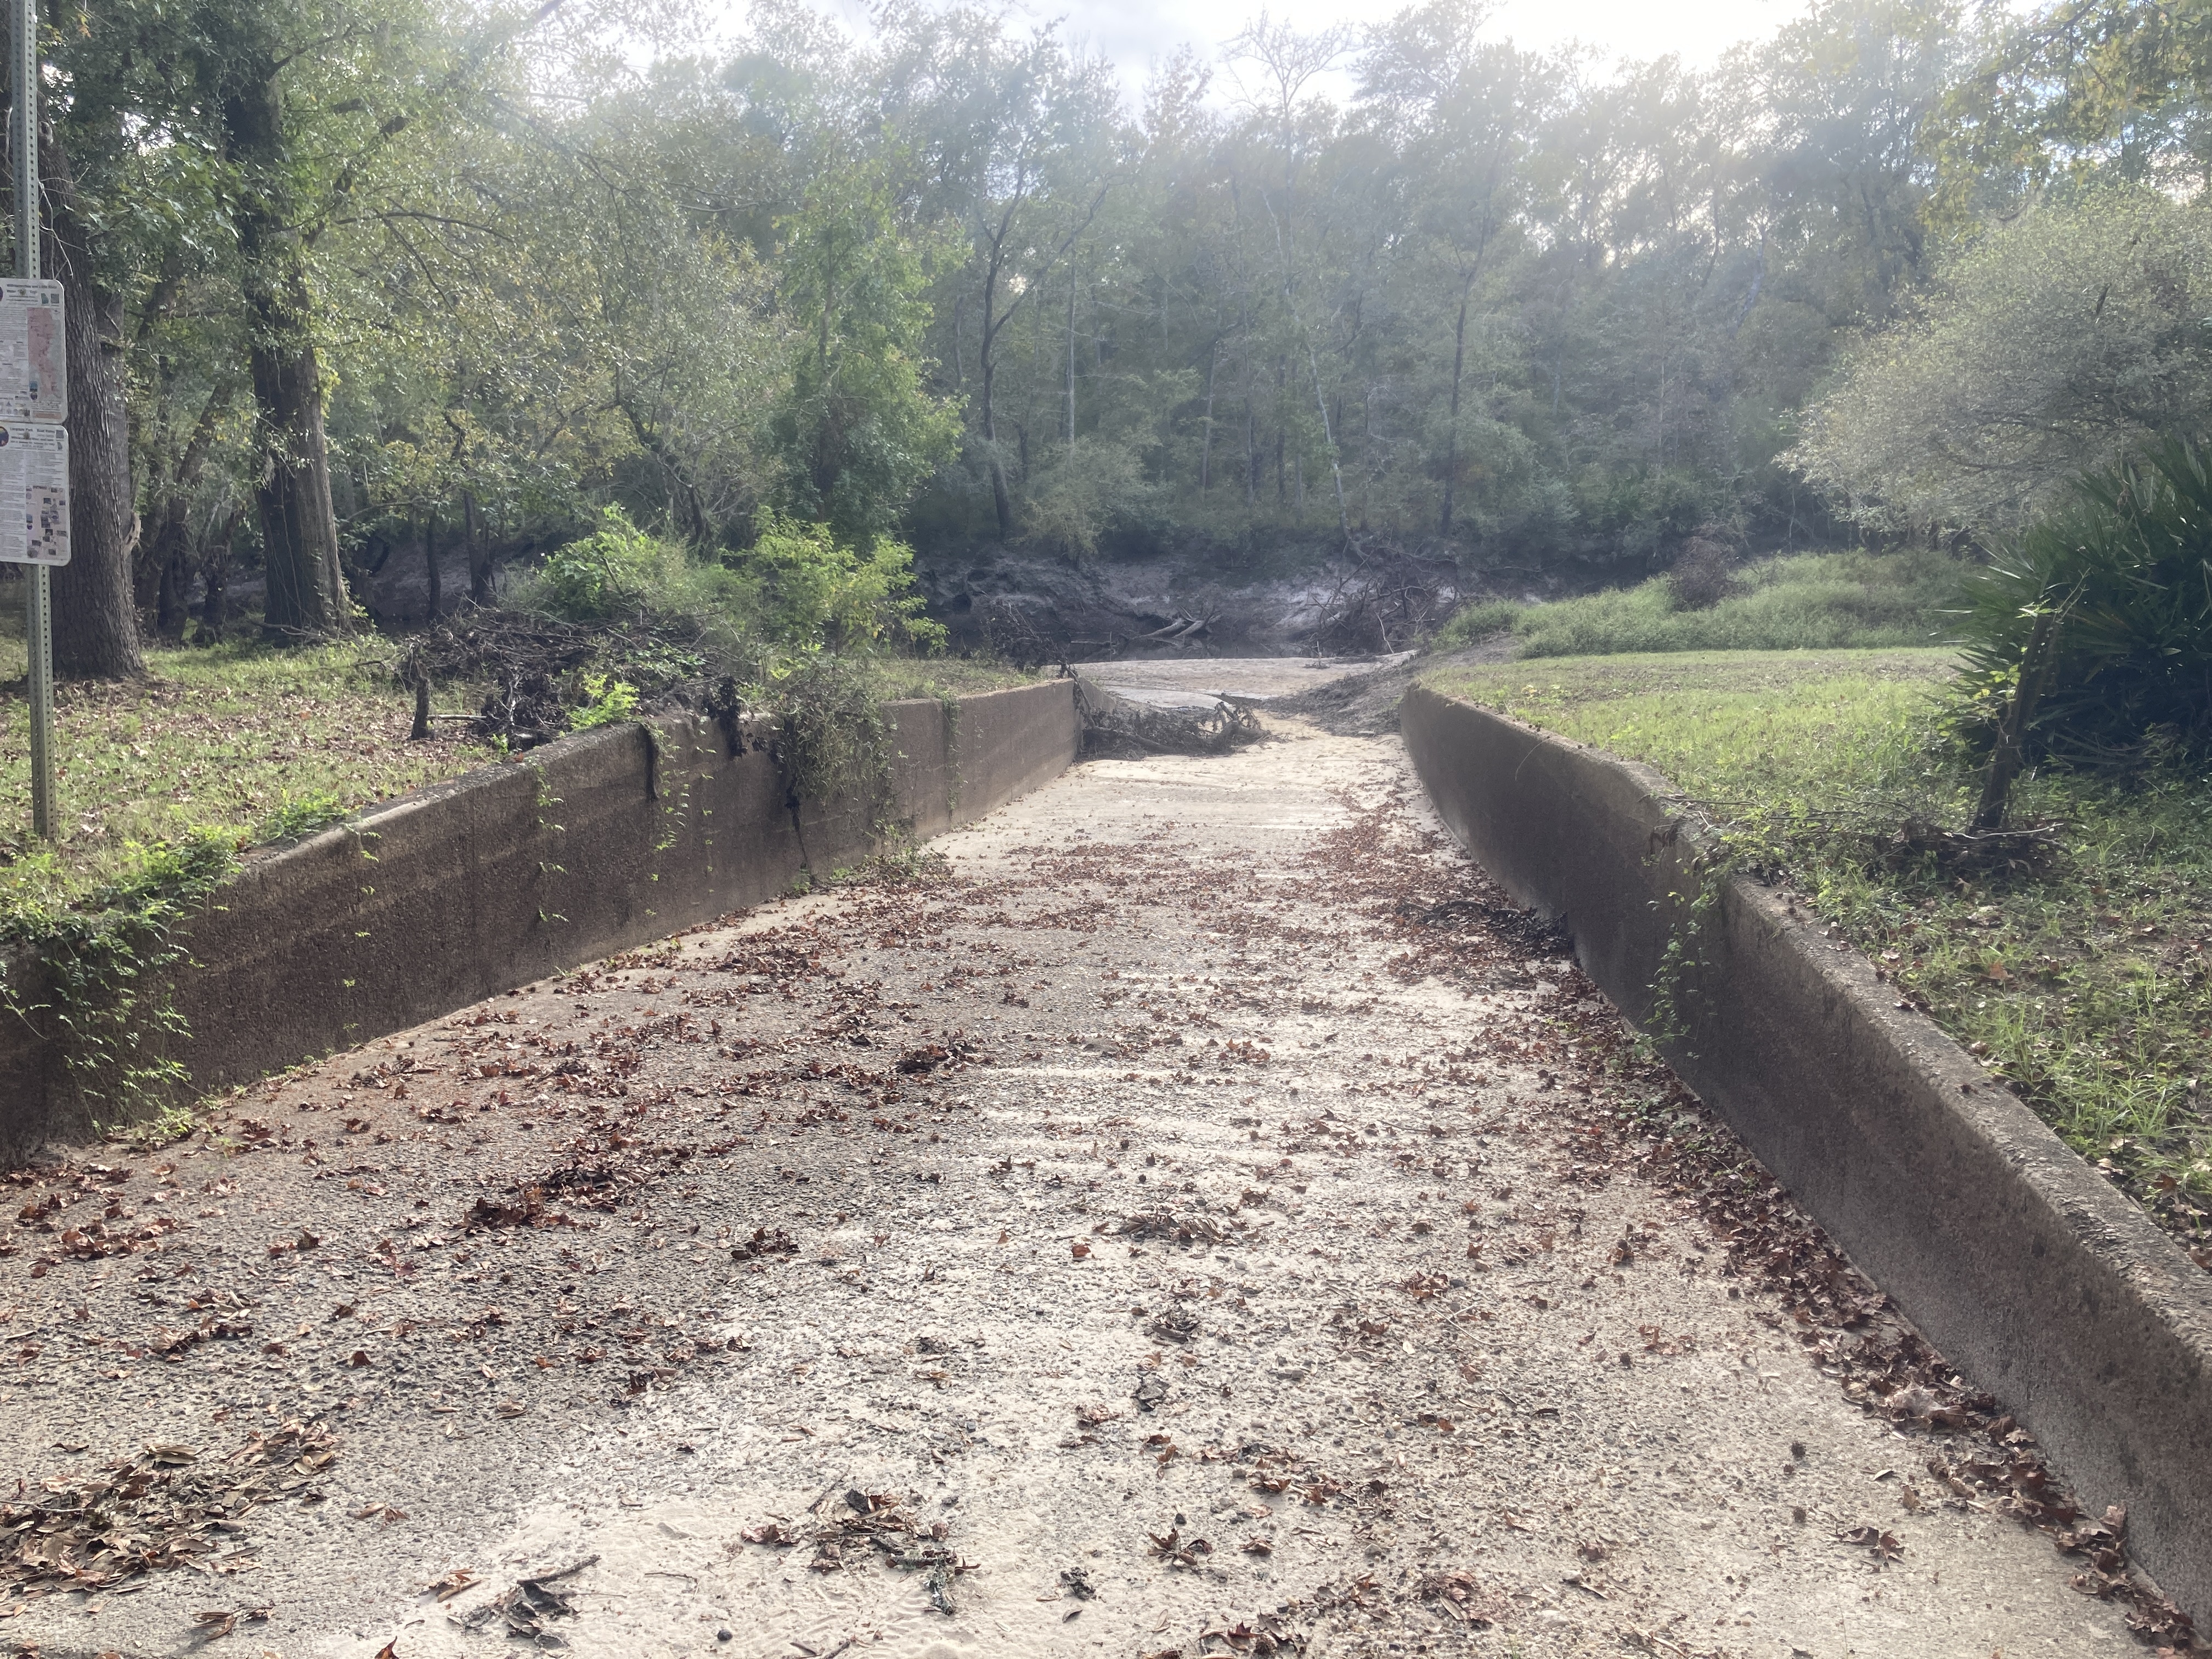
{"x": 613, "y": 572}
{"x": 607, "y": 701}
{"x": 798, "y": 588}
{"x": 2120, "y": 580}
{"x": 1076, "y": 500}
{"x": 813, "y": 590}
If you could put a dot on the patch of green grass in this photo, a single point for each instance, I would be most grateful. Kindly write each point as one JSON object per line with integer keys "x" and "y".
{"x": 2087, "y": 984}
{"x": 900, "y": 678}
{"x": 265, "y": 745}
{"x": 1803, "y": 601}
{"x": 1471, "y": 623}
{"x": 1729, "y": 726}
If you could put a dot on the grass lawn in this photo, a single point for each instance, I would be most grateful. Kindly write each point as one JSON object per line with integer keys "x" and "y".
{"x": 261, "y": 743}
{"x": 2086, "y": 986}
{"x": 257, "y": 742}
{"x": 1800, "y": 601}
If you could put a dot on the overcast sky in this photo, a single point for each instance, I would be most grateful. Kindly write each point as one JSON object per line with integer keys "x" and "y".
{"x": 1134, "y": 33}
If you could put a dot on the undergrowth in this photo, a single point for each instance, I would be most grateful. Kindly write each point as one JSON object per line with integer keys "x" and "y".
{"x": 94, "y": 973}
{"x": 2082, "y": 980}
{"x": 1805, "y": 601}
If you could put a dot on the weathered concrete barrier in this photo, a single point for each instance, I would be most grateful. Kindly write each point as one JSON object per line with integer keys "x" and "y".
{"x": 586, "y": 846}
{"x": 2024, "y": 1266}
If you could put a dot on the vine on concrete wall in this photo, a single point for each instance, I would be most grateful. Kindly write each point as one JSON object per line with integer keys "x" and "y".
{"x": 94, "y": 976}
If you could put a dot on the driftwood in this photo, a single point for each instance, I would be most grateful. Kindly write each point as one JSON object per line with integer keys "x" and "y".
{"x": 1115, "y": 725}
{"x": 1181, "y": 631}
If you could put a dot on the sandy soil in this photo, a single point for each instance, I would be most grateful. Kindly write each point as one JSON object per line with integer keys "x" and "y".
{"x": 1186, "y": 1213}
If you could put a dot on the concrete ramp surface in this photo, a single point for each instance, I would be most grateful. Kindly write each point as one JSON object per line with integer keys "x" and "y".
{"x": 1193, "y": 1214}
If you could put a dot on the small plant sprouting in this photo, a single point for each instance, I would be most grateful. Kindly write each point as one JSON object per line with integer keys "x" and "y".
{"x": 607, "y": 701}
{"x": 297, "y": 817}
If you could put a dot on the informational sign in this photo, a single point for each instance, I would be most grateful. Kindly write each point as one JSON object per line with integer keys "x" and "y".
{"x": 34, "y": 504}
{"x": 32, "y": 384}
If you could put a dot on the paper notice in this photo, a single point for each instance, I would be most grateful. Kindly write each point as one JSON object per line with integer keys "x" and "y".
{"x": 34, "y": 381}
{"x": 34, "y": 504}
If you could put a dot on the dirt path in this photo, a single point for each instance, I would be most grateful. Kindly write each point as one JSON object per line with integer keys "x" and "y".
{"x": 1197, "y": 1218}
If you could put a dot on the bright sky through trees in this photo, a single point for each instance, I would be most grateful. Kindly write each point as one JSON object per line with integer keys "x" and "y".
{"x": 1133, "y": 34}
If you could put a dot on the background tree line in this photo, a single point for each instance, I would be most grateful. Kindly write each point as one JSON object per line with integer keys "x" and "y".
{"x": 352, "y": 278}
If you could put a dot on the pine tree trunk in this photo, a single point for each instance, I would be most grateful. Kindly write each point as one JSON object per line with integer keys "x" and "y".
{"x": 95, "y": 618}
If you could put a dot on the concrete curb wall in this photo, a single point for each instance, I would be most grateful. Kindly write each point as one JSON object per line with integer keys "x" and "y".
{"x": 587, "y": 845}
{"x": 2023, "y": 1265}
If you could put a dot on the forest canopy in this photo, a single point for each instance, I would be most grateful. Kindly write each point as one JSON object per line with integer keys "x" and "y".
{"x": 360, "y": 274}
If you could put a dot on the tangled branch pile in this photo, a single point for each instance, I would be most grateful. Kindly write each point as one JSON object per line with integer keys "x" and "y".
{"x": 532, "y": 666}
{"x": 1121, "y": 727}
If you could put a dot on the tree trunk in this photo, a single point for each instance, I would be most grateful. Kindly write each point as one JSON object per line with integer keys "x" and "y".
{"x": 298, "y": 523}
{"x": 95, "y": 619}
{"x": 1001, "y": 503}
{"x": 1206, "y": 448}
{"x": 430, "y": 565}
{"x": 1451, "y": 434}
{"x": 171, "y": 558}
{"x": 170, "y": 594}
{"x": 479, "y": 545}
{"x": 170, "y": 552}
{"x": 214, "y": 604}
{"x": 1251, "y": 452}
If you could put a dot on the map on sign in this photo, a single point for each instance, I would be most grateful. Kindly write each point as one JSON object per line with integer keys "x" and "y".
{"x": 33, "y": 385}
{"x": 35, "y": 505}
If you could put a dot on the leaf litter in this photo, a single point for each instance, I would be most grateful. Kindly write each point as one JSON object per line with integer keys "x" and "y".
{"x": 673, "y": 1086}
{"x": 163, "y": 1509}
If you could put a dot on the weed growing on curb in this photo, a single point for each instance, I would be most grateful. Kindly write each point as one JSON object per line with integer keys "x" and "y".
{"x": 97, "y": 973}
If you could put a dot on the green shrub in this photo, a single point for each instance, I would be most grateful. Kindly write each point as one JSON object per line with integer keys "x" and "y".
{"x": 612, "y": 572}
{"x": 1076, "y": 500}
{"x": 608, "y": 701}
{"x": 813, "y": 591}
{"x": 2124, "y": 575}
{"x": 797, "y": 589}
